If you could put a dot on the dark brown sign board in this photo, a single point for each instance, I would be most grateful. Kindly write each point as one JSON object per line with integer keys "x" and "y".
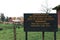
{"x": 40, "y": 22}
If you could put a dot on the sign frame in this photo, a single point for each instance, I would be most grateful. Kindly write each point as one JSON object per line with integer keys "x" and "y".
{"x": 28, "y": 28}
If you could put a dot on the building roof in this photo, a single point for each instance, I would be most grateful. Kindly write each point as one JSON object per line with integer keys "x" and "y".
{"x": 57, "y": 7}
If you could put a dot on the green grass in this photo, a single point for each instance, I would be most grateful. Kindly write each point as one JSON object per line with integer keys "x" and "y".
{"x": 6, "y": 26}
{"x": 7, "y": 34}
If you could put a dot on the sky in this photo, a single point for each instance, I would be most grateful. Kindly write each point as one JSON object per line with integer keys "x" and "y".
{"x": 16, "y": 8}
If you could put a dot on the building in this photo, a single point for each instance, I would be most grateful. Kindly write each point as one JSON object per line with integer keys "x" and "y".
{"x": 20, "y": 19}
{"x": 57, "y": 8}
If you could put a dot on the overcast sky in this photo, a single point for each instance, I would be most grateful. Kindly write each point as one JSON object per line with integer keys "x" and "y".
{"x": 19, "y": 7}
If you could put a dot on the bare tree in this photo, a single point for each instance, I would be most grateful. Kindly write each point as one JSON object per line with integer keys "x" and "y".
{"x": 45, "y": 7}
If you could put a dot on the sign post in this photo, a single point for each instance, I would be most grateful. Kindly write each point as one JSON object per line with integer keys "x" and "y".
{"x": 54, "y": 35}
{"x": 26, "y": 35}
{"x": 41, "y": 22}
{"x": 42, "y": 35}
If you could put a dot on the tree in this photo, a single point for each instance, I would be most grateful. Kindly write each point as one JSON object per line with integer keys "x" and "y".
{"x": 45, "y": 7}
{"x": 2, "y": 17}
{"x": 7, "y": 19}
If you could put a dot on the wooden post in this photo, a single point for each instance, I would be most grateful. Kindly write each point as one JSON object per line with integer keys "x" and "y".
{"x": 15, "y": 22}
{"x": 42, "y": 35}
{"x": 14, "y": 32}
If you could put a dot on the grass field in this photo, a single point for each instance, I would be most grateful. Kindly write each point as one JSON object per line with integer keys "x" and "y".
{"x": 7, "y": 34}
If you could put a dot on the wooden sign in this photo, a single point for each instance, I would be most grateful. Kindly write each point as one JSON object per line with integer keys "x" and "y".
{"x": 40, "y": 22}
